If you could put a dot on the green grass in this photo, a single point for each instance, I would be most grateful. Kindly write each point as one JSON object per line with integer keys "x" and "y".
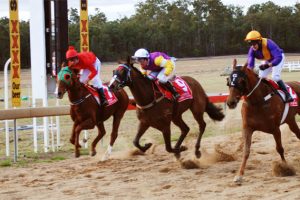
{"x": 5, "y": 163}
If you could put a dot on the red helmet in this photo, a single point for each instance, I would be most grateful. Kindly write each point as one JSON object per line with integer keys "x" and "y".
{"x": 71, "y": 53}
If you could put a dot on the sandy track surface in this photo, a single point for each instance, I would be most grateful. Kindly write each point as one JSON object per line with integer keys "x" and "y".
{"x": 158, "y": 175}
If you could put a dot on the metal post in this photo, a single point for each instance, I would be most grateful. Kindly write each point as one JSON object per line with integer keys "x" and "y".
{"x": 15, "y": 141}
{"x": 6, "y": 105}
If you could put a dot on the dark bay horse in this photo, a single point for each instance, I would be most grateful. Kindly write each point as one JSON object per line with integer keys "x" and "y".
{"x": 262, "y": 109}
{"x": 154, "y": 110}
{"x": 86, "y": 112}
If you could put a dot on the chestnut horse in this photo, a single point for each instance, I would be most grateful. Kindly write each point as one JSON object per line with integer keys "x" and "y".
{"x": 262, "y": 109}
{"x": 86, "y": 112}
{"x": 154, "y": 110}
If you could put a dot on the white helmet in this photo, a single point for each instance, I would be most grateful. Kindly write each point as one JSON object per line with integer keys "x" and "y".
{"x": 141, "y": 53}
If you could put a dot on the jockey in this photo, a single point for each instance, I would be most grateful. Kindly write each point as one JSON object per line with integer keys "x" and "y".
{"x": 161, "y": 66}
{"x": 267, "y": 50}
{"x": 90, "y": 66}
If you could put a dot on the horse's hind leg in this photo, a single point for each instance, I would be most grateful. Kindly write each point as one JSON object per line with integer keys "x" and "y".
{"x": 294, "y": 127}
{"x": 114, "y": 135}
{"x": 184, "y": 131}
{"x": 141, "y": 130}
{"x": 202, "y": 125}
{"x": 279, "y": 148}
{"x": 101, "y": 133}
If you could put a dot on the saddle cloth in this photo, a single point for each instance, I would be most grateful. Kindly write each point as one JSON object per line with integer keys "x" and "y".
{"x": 110, "y": 96}
{"x": 180, "y": 86}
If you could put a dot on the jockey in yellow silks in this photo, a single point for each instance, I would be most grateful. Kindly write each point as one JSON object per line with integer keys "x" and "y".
{"x": 272, "y": 55}
{"x": 161, "y": 66}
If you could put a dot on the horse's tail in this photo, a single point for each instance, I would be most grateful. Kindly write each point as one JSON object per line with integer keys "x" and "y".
{"x": 214, "y": 112}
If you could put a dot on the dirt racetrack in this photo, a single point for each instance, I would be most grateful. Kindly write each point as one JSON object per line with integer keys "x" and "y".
{"x": 157, "y": 174}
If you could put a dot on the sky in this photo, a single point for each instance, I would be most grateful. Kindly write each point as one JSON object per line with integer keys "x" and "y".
{"x": 116, "y": 9}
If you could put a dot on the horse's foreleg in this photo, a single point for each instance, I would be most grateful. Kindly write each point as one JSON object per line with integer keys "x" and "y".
{"x": 72, "y": 138}
{"x": 247, "y": 137}
{"x": 113, "y": 136}
{"x": 87, "y": 124}
{"x": 141, "y": 130}
{"x": 184, "y": 131}
{"x": 294, "y": 127}
{"x": 279, "y": 148}
{"x": 101, "y": 133}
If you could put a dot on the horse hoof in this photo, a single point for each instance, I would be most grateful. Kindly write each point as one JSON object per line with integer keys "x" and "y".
{"x": 198, "y": 154}
{"x": 238, "y": 180}
{"x": 177, "y": 156}
{"x": 93, "y": 153}
{"x": 183, "y": 148}
{"x": 147, "y": 146}
{"x": 77, "y": 154}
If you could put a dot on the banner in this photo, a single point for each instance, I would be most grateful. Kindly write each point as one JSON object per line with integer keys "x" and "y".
{"x": 84, "y": 26}
{"x": 15, "y": 64}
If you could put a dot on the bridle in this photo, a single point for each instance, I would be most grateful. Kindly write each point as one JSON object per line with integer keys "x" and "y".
{"x": 65, "y": 75}
{"x": 127, "y": 81}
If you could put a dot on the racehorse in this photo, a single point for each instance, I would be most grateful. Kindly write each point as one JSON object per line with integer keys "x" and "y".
{"x": 262, "y": 109}
{"x": 86, "y": 112}
{"x": 154, "y": 110}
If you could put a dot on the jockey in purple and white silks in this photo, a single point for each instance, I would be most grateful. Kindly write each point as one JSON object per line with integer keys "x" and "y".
{"x": 267, "y": 50}
{"x": 161, "y": 66}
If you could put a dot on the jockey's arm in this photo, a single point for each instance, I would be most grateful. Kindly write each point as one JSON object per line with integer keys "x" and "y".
{"x": 93, "y": 72}
{"x": 143, "y": 71}
{"x": 162, "y": 62}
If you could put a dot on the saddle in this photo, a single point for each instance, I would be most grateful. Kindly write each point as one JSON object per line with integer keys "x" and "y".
{"x": 278, "y": 90}
{"x": 110, "y": 96}
{"x": 180, "y": 86}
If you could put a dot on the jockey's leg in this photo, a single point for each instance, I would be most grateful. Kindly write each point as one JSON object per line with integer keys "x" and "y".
{"x": 164, "y": 80}
{"x": 288, "y": 97}
{"x": 171, "y": 88}
{"x": 102, "y": 96}
{"x": 276, "y": 76}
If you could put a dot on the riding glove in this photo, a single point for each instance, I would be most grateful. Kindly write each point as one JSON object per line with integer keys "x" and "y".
{"x": 264, "y": 66}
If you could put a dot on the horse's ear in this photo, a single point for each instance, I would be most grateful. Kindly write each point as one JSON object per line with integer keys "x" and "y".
{"x": 128, "y": 60}
{"x": 63, "y": 64}
{"x": 234, "y": 64}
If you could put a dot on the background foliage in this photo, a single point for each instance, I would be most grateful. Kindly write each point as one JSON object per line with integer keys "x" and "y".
{"x": 183, "y": 28}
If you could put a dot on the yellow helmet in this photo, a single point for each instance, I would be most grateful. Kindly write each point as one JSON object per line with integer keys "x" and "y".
{"x": 253, "y": 35}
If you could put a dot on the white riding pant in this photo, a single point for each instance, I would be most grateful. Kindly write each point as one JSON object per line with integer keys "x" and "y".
{"x": 276, "y": 71}
{"x": 96, "y": 81}
{"x": 161, "y": 74}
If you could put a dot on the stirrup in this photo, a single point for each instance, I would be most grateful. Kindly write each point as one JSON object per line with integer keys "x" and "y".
{"x": 288, "y": 99}
{"x": 104, "y": 103}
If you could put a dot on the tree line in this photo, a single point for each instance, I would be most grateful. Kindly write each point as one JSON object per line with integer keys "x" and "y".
{"x": 182, "y": 28}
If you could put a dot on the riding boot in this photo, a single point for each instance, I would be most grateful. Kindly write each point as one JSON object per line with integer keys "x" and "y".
{"x": 171, "y": 88}
{"x": 288, "y": 97}
{"x": 102, "y": 96}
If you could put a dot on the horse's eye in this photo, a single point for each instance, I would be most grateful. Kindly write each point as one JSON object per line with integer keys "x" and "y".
{"x": 67, "y": 76}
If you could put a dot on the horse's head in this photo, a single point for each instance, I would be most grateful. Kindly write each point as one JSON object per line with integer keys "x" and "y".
{"x": 121, "y": 75}
{"x": 65, "y": 79}
{"x": 237, "y": 83}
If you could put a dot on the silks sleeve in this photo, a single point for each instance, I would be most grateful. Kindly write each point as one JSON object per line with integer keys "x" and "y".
{"x": 93, "y": 72}
{"x": 144, "y": 72}
{"x": 162, "y": 62}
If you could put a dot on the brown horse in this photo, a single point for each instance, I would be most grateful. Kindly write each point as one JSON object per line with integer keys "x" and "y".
{"x": 154, "y": 110}
{"x": 262, "y": 109}
{"x": 86, "y": 112}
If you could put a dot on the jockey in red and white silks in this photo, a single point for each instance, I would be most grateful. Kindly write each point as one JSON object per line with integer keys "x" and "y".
{"x": 89, "y": 66}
